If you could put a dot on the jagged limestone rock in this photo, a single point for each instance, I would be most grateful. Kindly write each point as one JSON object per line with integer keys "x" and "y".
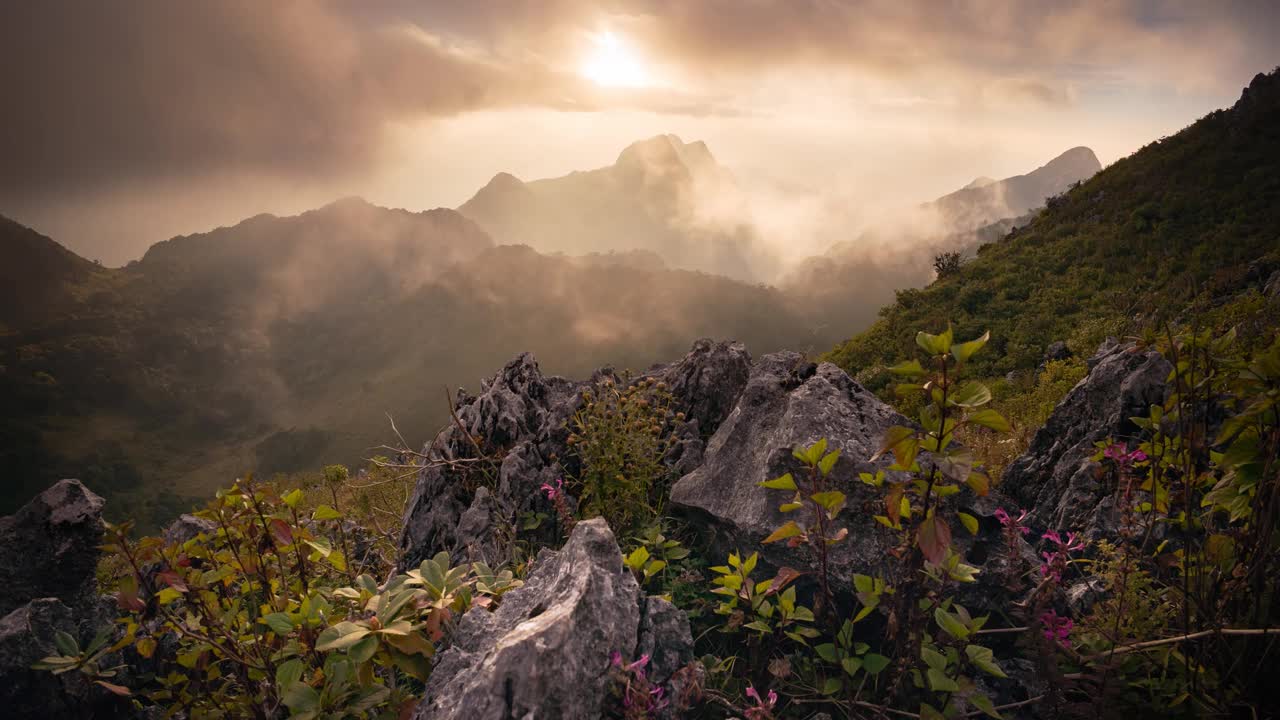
{"x": 49, "y": 548}
{"x": 788, "y": 402}
{"x": 1055, "y": 478}
{"x": 520, "y": 418}
{"x": 545, "y": 652}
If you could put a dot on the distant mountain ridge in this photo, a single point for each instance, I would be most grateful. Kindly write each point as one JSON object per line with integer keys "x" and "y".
{"x": 281, "y": 342}
{"x": 1188, "y": 221}
{"x": 652, "y": 198}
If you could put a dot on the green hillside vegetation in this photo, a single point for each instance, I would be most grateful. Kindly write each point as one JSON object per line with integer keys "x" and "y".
{"x": 281, "y": 344}
{"x": 1188, "y": 222}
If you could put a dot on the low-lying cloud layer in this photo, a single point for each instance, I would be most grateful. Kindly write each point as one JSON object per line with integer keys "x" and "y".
{"x": 133, "y": 110}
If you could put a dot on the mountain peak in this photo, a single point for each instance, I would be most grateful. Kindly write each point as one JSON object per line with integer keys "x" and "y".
{"x": 664, "y": 151}
{"x": 1079, "y": 160}
{"x": 979, "y": 182}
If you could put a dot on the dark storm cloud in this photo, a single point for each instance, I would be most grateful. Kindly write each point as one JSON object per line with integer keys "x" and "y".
{"x": 98, "y": 92}
{"x": 103, "y": 94}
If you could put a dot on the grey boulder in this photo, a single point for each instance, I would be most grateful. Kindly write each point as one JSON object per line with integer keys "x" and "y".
{"x": 545, "y": 652}
{"x": 1056, "y": 478}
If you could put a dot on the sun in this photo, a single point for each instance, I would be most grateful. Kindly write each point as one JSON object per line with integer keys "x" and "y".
{"x": 612, "y": 63}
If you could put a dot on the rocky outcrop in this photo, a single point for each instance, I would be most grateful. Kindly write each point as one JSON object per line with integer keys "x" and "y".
{"x": 48, "y": 558}
{"x": 49, "y": 548}
{"x": 545, "y": 652}
{"x": 788, "y": 402}
{"x": 1056, "y": 478}
{"x": 519, "y": 420}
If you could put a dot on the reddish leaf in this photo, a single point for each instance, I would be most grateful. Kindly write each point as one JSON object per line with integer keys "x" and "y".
{"x": 934, "y": 537}
{"x": 281, "y": 531}
{"x": 893, "y": 503}
{"x": 117, "y": 689}
{"x": 784, "y": 578}
{"x": 172, "y": 579}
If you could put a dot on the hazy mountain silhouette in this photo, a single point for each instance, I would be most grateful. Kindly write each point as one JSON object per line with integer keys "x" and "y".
{"x": 652, "y": 198}
{"x": 848, "y": 284}
{"x": 281, "y": 342}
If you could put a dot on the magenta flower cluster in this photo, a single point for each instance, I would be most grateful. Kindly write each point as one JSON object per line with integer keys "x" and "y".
{"x": 1012, "y": 523}
{"x": 639, "y": 697}
{"x": 554, "y": 492}
{"x": 1057, "y": 628}
{"x": 763, "y": 708}
{"x": 1055, "y": 560}
{"x": 1122, "y": 456}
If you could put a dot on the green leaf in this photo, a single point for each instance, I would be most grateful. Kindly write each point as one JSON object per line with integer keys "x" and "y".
{"x": 831, "y": 499}
{"x": 939, "y": 682}
{"x": 363, "y": 650}
{"x": 983, "y": 658}
{"x": 790, "y": 507}
{"x": 827, "y": 652}
{"x": 892, "y": 437}
{"x": 301, "y": 698}
{"x": 951, "y": 624}
{"x": 288, "y": 673}
{"x": 279, "y": 622}
{"x": 933, "y": 658}
{"x": 340, "y": 636}
{"x": 784, "y": 482}
{"x": 934, "y": 344}
{"x": 168, "y": 595}
{"x": 983, "y": 703}
{"x": 971, "y": 394}
{"x": 832, "y": 686}
{"x": 970, "y": 522}
{"x": 324, "y": 512}
{"x": 321, "y": 545}
{"x": 293, "y": 498}
{"x": 963, "y": 351}
{"x": 989, "y": 418}
{"x": 910, "y": 368}
{"x": 66, "y": 644}
{"x": 789, "y": 530}
{"x": 851, "y": 665}
{"x": 874, "y": 663}
{"x": 863, "y": 583}
{"x": 638, "y": 558}
{"x": 956, "y": 465}
{"x": 828, "y": 461}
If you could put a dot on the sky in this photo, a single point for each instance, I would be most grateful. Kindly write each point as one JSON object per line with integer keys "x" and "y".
{"x": 128, "y": 123}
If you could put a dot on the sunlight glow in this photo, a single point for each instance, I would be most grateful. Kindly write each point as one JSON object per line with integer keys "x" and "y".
{"x": 612, "y": 63}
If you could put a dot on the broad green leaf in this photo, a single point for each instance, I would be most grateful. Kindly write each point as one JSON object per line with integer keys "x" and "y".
{"x": 970, "y": 522}
{"x": 983, "y": 658}
{"x": 827, "y": 652}
{"x": 324, "y": 512}
{"x": 279, "y": 622}
{"x": 301, "y": 698}
{"x": 892, "y": 437}
{"x": 934, "y": 344}
{"x": 340, "y": 636}
{"x": 66, "y": 644}
{"x": 832, "y": 686}
{"x": 293, "y": 498}
{"x": 784, "y": 482}
{"x": 910, "y": 368}
{"x": 983, "y": 703}
{"x": 828, "y": 461}
{"x": 971, "y": 394}
{"x": 933, "y": 658}
{"x": 789, "y": 530}
{"x": 965, "y": 350}
{"x": 288, "y": 673}
{"x": 364, "y": 650}
{"x": 830, "y": 499}
{"x": 951, "y": 624}
{"x": 989, "y": 418}
{"x": 939, "y": 682}
{"x": 790, "y": 507}
{"x": 874, "y": 663}
{"x": 851, "y": 665}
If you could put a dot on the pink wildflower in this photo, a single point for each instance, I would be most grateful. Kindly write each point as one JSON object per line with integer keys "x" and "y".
{"x": 1057, "y": 628}
{"x": 1120, "y": 455}
{"x": 553, "y": 492}
{"x": 1009, "y": 522}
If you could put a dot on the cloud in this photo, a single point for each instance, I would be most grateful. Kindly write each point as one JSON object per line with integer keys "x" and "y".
{"x": 104, "y": 100}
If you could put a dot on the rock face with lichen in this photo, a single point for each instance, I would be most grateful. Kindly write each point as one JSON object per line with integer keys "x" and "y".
{"x": 545, "y": 652}
{"x": 48, "y": 557}
{"x": 1056, "y": 478}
